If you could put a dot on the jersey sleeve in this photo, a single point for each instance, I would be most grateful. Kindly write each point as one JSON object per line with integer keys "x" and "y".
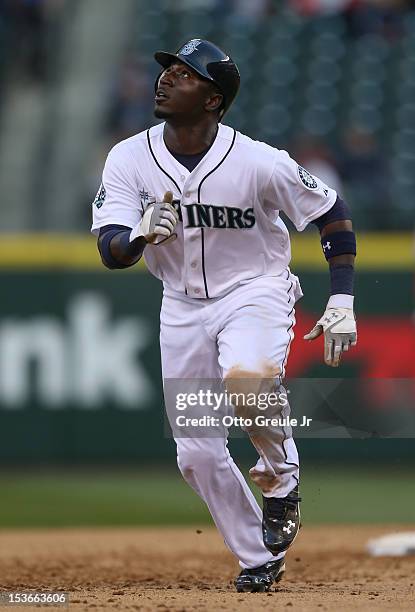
{"x": 117, "y": 201}
{"x": 300, "y": 195}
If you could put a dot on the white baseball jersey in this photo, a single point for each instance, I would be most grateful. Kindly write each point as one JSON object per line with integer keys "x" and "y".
{"x": 229, "y": 229}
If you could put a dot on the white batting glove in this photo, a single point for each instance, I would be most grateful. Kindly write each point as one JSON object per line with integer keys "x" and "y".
{"x": 339, "y": 327}
{"x": 158, "y": 222}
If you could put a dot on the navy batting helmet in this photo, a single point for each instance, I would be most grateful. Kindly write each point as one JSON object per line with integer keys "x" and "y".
{"x": 210, "y": 62}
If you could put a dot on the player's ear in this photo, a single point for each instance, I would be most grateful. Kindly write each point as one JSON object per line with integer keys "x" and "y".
{"x": 214, "y": 102}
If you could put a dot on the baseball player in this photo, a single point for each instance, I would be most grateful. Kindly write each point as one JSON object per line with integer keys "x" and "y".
{"x": 201, "y": 201}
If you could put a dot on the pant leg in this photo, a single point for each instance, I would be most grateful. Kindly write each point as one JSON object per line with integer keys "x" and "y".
{"x": 190, "y": 354}
{"x": 254, "y": 344}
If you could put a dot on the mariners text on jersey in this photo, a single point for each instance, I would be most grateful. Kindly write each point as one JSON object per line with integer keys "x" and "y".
{"x": 229, "y": 229}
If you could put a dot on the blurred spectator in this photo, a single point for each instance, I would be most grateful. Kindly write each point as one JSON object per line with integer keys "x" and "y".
{"x": 28, "y": 24}
{"x": 3, "y": 42}
{"x": 26, "y": 19}
{"x": 383, "y": 17}
{"x": 321, "y": 7}
{"x": 248, "y": 12}
{"x": 252, "y": 13}
{"x": 194, "y": 5}
{"x": 366, "y": 175}
{"x": 131, "y": 103}
{"x": 315, "y": 155}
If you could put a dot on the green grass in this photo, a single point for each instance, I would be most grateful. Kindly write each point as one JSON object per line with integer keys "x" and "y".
{"x": 69, "y": 498}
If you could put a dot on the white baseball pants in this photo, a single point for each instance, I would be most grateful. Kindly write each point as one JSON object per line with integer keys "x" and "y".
{"x": 250, "y": 330}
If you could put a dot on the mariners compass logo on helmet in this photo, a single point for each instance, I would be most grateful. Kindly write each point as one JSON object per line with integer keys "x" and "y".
{"x": 307, "y": 179}
{"x": 189, "y": 47}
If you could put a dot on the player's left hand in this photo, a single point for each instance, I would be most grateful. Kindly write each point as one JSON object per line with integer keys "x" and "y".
{"x": 339, "y": 328}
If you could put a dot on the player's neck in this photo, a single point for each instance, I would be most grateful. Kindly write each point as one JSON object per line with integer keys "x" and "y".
{"x": 190, "y": 140}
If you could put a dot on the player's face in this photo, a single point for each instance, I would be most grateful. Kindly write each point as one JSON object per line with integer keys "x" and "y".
{"x": 182, "y": 94}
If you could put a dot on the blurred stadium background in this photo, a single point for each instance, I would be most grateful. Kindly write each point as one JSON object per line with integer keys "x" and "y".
{"x": 81, "y": 410}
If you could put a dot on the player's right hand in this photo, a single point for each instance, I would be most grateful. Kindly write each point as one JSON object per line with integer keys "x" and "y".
{"x": 158, "y": 222}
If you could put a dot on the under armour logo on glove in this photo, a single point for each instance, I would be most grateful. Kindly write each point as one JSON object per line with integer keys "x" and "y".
{"x": 327, "y": 246}
{"x": 339, "y": 328}
{"x": 330, "y": 318}
{"x": 289, "y": 526}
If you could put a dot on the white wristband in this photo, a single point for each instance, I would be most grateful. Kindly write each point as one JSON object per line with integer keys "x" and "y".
{"x": 340, "y": 300}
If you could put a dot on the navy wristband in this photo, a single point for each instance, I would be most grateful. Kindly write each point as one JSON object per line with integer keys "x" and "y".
{"x": 339, "y": 243}
{"x": 341, "y": 279}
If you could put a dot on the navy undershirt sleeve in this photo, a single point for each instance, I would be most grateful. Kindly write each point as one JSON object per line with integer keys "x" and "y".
{"x": 130, "y": 249}
{"x": 338, "y": 212}
{"x": 106, "y": 228}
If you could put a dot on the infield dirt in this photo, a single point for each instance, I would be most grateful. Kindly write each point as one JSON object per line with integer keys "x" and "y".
{"x": 188, "y": 569}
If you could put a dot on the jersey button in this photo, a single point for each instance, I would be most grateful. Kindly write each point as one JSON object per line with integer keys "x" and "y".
{"x": 182, "y": 177}
{"x": 187, "y": 194}
{"x": 194, "y": 264}
{"x": 197, "y": 290}
{"x": 193, "y": 238}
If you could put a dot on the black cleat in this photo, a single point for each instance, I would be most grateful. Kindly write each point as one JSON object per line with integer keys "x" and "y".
{"x": 260, "y": 579}
{"x": 281, "y": 521}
